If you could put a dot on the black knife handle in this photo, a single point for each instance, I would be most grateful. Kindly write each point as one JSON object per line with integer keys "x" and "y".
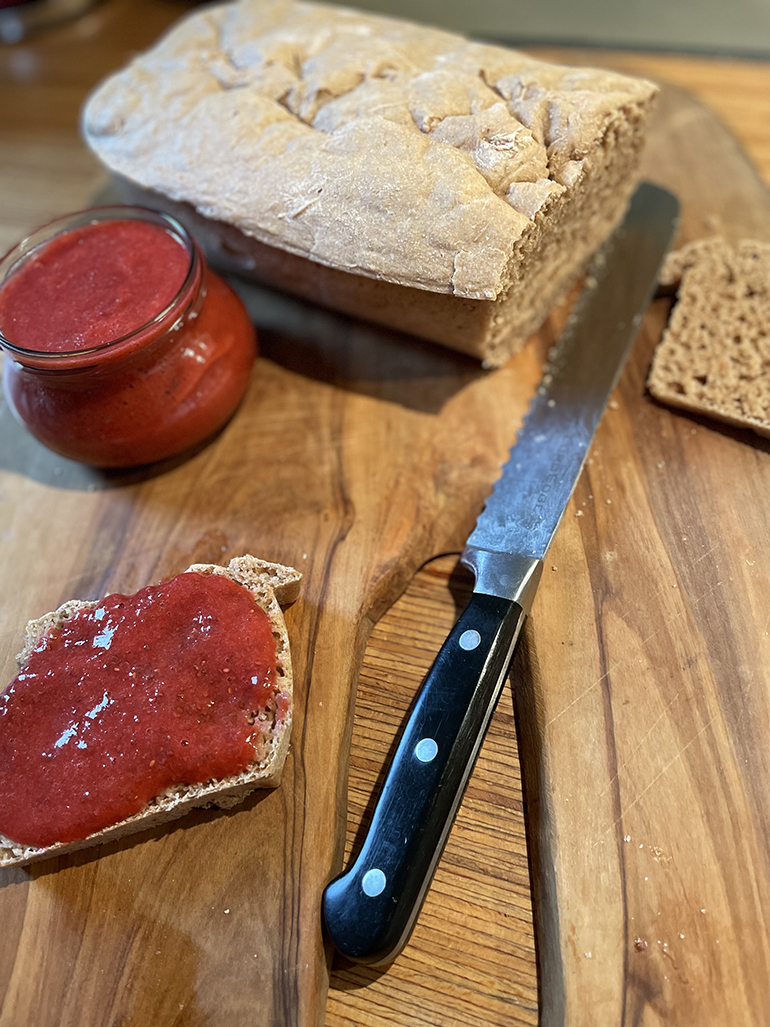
{"x": 371, "y": 908}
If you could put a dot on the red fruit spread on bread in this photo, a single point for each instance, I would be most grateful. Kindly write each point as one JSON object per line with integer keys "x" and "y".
{"x": 92, "y": 284}
{"x": 129, "y": 698}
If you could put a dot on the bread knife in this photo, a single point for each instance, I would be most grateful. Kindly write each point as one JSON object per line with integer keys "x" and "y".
{"x": 370, "y": 910}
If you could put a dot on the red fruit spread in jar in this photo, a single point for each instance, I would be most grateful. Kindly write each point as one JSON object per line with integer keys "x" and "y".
{"x": 100, "y": 281}
{"x": 124, "y": 700}
{"x": 122, "y": 347}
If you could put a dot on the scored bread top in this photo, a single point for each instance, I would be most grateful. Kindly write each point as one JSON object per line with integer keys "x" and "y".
{"x": 358, "y": 141}
{"x": 272, "y": 585}
{"x": 714, "y": 357}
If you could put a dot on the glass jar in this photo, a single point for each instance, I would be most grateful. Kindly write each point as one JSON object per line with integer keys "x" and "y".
{"x": 142, "y": 396}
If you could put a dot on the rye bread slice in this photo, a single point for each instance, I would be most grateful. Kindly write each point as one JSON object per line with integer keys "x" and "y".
{"x": 714, "y": 357}
{"x": 272, "y": 586}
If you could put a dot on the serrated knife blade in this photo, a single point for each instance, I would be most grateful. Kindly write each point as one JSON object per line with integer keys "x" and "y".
{"x": 369, "y": 911}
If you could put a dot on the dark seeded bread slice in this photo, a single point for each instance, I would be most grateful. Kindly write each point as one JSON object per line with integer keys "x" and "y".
{"x": 714, "y": 357}
{"x": 272, "y": 586}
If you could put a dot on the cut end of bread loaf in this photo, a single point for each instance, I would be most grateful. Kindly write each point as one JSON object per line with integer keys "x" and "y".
{"x": 714, "y": 356}
{"x": 272, "y": 585}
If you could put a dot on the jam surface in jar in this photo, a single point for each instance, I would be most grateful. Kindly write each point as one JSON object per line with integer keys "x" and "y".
{"x": 140, "y": 693}
{"x": 100, "y": 281}
{"x": 122, "y": 347}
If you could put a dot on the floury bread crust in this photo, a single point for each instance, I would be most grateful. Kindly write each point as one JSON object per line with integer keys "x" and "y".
{"x": 378, "y": 151}
{"x": 714, "y": 357}
{"x": 272, "y": 586}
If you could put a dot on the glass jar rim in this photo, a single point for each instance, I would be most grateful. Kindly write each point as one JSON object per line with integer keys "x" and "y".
{"x": 20, "y": 252}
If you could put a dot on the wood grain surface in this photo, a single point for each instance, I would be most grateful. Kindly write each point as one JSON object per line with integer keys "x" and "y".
{"x": 641, "y": 693}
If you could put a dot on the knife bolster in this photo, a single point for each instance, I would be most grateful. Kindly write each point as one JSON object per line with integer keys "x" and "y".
{"x": 505, "y": 575}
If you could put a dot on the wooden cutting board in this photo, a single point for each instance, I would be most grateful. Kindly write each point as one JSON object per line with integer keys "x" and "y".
{"x": 645, "y": 687}
{"x": 642, "y": 694}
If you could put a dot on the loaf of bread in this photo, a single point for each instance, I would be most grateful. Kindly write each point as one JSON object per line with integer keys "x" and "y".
{"x": 714, "y": 357}
{"x": 271, "y": 586}
{"x": 394, "y": 172}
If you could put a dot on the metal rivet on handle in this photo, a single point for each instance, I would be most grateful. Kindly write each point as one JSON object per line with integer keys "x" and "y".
{"x": 470, "y": 639}
{"x": 426, "y": 750}
{"x": 373, "y": 882}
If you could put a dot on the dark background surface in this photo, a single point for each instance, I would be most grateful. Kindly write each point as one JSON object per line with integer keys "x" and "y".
{"x": 737, "y": 27}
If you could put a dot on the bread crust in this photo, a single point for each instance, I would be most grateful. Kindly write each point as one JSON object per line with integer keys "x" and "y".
{"x": 376, "y": 166}
{"x": 272, "y": 585}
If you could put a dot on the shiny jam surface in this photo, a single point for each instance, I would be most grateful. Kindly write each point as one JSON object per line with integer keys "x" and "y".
{"x": 124, "y": 700}
{"x": 92, "y": 284}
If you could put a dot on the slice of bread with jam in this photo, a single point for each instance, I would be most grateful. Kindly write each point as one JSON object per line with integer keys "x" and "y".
{"x": 185, "y": 685}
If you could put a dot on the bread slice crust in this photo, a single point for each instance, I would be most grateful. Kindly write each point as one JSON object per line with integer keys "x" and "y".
{"x": 272, "y": 585}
